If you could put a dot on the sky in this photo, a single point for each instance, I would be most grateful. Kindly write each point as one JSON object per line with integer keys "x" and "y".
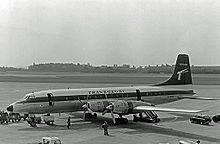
{"x": 107, "y": 32}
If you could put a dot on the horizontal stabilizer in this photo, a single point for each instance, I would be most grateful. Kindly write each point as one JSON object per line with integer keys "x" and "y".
{"x": 199, "y": 98}
{"x": 152, "y": 108}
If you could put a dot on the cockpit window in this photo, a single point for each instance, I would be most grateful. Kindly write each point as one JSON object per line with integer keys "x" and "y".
{"x": 29, "y": 96}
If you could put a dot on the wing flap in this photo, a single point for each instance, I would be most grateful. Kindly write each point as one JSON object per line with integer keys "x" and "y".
{"x": 152, "y": 108}
{"x": 199, "y": 98}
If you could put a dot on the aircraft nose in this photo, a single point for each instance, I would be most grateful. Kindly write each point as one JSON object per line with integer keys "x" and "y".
{"x": 10, "y": 108}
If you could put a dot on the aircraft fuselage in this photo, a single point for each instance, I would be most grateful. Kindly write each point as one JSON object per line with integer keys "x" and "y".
{"x": 70, "y": 100}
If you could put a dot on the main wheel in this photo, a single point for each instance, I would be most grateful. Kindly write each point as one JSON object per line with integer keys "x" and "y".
{"x": 90, "y": 116}
{"x": 121, "y": 120}
{"x": 94, "y": 115}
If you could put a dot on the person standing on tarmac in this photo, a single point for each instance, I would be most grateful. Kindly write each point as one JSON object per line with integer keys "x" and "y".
{"x": 105, "y": 128}
{"x": 68, "y": 122}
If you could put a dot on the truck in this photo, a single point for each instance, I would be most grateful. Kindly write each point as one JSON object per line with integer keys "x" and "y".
{"x": 201, "y": 119}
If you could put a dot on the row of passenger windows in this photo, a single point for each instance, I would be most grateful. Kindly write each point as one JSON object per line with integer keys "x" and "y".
{"x": 125, "y": 95}
{"x": 103, "y": 96}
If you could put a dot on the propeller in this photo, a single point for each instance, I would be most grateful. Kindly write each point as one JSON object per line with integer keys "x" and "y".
{"x": 86, "y": 108}
{"x": 110, "y": 108}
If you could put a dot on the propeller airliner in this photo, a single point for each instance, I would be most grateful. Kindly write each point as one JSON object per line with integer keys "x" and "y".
{"x": 136, "y": 100}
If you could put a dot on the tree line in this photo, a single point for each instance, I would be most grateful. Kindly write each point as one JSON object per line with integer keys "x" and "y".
{"x": 87, "y": 68}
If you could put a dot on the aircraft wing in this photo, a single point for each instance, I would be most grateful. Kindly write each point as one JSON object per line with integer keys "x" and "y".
{"x": 199, "y": 98}
{"x": 162, "y": 109}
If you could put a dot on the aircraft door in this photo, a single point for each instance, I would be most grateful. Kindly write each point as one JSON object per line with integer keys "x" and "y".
{"x": 50, "y": 99}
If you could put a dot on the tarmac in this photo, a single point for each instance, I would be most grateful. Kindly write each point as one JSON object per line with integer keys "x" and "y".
{"x": 171, "y": 129}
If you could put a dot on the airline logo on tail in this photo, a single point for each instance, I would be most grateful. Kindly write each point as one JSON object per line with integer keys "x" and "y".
{"x": 179, "y": 73}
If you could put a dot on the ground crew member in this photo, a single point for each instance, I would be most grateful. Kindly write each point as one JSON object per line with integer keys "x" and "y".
{"x": 105, "y": 128}
{"x": 68, "y": 122}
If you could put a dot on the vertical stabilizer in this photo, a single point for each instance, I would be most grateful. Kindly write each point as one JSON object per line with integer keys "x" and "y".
{"x": 182, "y": 72}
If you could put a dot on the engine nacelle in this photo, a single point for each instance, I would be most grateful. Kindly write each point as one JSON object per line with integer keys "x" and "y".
{"x": 122, "y": 107}
{"x": 118, "y": 107}
{"x": 126, "y": 107}
{"x": 98, "y": 106}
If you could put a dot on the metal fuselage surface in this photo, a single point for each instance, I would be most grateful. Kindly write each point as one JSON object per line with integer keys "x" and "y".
{"x": 70, "y": 100}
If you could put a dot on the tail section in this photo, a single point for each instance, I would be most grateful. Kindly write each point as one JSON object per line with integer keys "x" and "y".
{"x": 182, "y": 72}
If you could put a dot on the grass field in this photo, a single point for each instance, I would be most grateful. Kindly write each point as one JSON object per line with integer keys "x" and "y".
{"x": 108, "y": 78}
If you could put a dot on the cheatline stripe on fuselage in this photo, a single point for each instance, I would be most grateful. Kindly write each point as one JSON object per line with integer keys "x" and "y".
{"x": 104, "y": 96}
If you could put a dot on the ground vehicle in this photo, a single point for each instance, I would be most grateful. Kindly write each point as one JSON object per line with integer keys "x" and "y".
{"x": 24, "y": 117}
{"x": 4, "y": 117}
{"x": 201, "y": 119}
{"x": 48, "y": 119}
{"x": 33, "y": 121}
{"x": 50, "y": 140}
{"x": 216, "y": 118}
{"x": 14, "y": 117}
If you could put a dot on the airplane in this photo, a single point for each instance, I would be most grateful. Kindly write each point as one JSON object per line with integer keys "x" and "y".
{"x": 136, "y": 100}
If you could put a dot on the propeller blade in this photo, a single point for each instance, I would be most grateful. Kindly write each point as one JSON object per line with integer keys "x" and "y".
{"x": 90, "y": 111}
{"x": 84, "y": 114}
{"x": 85, "y": 106}
{"x": 103, "y": 113}
{"x": 113, "y": 117}
{"x": 110, "y": 107}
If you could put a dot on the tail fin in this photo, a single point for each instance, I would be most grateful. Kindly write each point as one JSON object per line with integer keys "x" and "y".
{"x": 182, "y": 72}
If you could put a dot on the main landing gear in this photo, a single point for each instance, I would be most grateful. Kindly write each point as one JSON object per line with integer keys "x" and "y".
{"x": 148, "y": 116}
{"x": 121, "y": 120}
{"x": 90, "y": 116}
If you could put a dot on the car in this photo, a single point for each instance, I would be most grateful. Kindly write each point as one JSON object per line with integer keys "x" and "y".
{"x": 50, "y": 140}
{"x": 216, "y": 118}
{"x": 201, "y": 119}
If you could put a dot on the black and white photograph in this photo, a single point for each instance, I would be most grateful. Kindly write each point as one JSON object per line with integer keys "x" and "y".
{"x": 109, "y": 71}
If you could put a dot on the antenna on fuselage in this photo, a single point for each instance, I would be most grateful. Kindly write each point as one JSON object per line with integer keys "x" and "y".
{"x": 138, "y": 95}
{"x": 50, "y": 95}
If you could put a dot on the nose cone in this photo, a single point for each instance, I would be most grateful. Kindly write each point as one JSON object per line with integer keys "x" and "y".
{"x": 10, "y": 108}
